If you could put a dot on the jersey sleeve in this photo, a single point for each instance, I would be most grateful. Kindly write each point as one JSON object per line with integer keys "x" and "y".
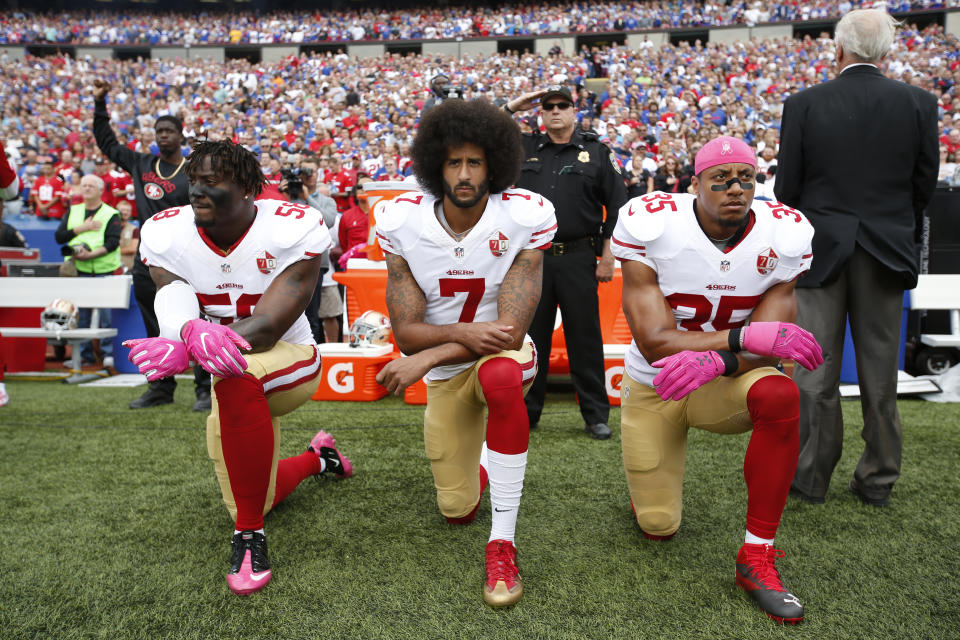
{"x": 392, "y": 216}
{"x": 158, "y": 239}
{"x": 298, "y": 229}
{"x": 792, "y": 239}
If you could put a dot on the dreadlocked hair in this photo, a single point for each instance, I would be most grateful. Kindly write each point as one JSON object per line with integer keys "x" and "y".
{"x": 455, "y": 122}
{"x": 230, "y": 161}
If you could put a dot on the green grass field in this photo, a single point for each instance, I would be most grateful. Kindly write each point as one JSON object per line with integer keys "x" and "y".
{"x": 113, "y": 528}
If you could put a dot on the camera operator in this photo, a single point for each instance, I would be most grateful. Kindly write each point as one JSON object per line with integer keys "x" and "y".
{"x": 442, "y": 90}
{"x": 91, "y": 234}
{"x": 300, "y": 185}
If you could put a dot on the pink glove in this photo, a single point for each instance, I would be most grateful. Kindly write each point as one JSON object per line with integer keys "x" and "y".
{"x": 353, "y": 252}
{"x": 685, "y": 372}
{"x": 215, "y": 347}
{"x": 158, "y": 357}
{"x": 782, "y": 340}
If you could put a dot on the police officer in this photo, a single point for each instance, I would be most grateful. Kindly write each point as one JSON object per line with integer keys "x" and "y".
{"x": 91, "y": 231}
{"x": 580, "y": 175}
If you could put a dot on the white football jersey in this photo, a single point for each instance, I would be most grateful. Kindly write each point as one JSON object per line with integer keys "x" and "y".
{"x": 229, "y": 284}
{"x": 709, "y": 289}
{"x": 461, "y": 280}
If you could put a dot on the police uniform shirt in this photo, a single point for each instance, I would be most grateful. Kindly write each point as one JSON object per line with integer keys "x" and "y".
{"x": 579, "y": 177}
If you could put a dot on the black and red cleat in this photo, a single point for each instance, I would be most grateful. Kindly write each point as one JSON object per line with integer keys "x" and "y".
{"x": 757, "y": 575}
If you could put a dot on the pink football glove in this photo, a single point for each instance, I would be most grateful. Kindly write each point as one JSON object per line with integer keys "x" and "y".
{"x": 158, "y": 357}
{"x": 215, "y": 347}
{"x": 685, "y": 372}
{"x": 783, "y": 340}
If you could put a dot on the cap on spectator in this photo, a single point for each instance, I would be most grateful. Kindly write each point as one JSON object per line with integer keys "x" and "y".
{"x": 557, "y": 90}
{"x": 723, "y": 150}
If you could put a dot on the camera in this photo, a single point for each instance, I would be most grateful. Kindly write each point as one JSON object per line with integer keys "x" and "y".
{"x": 68, "y": 249}
{"x": 294, "y": 182}
{"x": 451, "y": 92}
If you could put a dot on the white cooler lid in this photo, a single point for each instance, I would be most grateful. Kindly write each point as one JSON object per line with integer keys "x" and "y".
{"x": 344, "y": 349}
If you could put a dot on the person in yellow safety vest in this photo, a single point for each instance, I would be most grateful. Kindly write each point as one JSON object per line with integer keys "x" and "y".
{"x": 91, "y": 233}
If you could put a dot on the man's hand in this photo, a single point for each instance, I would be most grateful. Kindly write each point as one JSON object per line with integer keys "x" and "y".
{"x": 685, "y": 372}
{"x": 783, "y": 340}
{"x": 158, "y": 358}
{"x": 100, "y": 89}
{"x": 90, "y": 224}
{"x": 484, "y": 338}
{"x": 526, "y": 101}
{"x": 399, "y": 374}
{"x": 215, "y": 347}
{"x": 605, "y": 269}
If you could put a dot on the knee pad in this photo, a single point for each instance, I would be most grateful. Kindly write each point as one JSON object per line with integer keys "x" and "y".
{"x": 499, "y": 374}
{"x": 455, "y": 503}
{"x": 773, "y": 399}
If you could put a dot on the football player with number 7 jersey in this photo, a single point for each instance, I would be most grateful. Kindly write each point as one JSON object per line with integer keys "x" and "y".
{"x": 249, "y": 267}
{"x": 696, "y": 269}
{"x": 464, "y": 268}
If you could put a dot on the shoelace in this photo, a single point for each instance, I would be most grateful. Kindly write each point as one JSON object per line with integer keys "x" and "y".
{"x": 500, "y": 565}
{"x": 764, "y": 564}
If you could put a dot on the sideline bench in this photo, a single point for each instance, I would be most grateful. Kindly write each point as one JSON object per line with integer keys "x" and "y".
{"x": 106, "y": 292}
{"x": 939, "y": 292}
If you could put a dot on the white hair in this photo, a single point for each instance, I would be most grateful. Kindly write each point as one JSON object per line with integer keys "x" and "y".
{"x": 866, "y": 34}
{"x": 95, "y": 179}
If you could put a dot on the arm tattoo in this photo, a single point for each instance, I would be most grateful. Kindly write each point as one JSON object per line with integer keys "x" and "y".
{"x": 520, "y": 290}
{"x": 405, "y": 300}
{"x": 161, "y": 277}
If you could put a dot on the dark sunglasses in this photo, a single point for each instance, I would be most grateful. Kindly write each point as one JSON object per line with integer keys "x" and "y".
{"x": 563, "y": 106}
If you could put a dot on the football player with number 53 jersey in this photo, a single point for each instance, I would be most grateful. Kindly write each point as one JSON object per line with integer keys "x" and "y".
{"x": 250, "y": 268}
{"x": 465, "y": 266}
{"x": 696, "y": 269}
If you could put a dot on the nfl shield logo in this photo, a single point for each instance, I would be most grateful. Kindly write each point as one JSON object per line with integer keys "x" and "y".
{"x": 498, "y": 244}
{"x": 458, "y": 252}
{"x": 266, "y": 263}
{"x": 767, "y": 262}
{"x": 724, "y": 266}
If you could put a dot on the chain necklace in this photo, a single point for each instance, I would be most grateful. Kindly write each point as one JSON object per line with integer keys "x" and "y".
{"x": 156, "y": 168}
{"x": 458, "y": 236}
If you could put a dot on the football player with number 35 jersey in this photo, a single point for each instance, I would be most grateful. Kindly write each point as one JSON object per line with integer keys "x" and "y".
{"x": 249, "y": 267}
{"x": 464, "y": 265}
{"x": 696, "y": 269}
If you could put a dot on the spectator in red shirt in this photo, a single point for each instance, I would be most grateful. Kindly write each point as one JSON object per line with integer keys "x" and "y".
{"x": 48, "y": 194}
{"x": 355, "y": 221}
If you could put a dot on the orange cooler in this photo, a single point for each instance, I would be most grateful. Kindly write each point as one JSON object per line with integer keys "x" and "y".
{"x": 613, "y": 355}
{"x": 350, "y": 373}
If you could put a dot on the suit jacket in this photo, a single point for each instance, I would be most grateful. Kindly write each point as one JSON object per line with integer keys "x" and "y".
{"x": 859, "y": 157}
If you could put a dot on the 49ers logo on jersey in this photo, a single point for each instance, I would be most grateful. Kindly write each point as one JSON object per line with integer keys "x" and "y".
{"x": 499, "y": 244}
{"x": 153, "y": 191}
{"x": 266, "y": 263}
{"x": 767, "y": 261}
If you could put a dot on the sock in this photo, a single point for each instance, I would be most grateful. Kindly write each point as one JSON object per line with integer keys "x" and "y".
{"x": 506, "y": 486}
{"x": 752, "y": 539}
{"x": 771, "y": 459}
{"x": 246, "y": 435}
{"x": 294, "y": 470}
{"x": 260, "y": 531}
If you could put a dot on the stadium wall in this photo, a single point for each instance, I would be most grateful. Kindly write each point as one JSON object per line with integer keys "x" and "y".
{"x": 569, "y": 44}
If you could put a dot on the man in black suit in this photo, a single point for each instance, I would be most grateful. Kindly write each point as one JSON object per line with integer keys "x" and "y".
{"x": 858, "y": 155}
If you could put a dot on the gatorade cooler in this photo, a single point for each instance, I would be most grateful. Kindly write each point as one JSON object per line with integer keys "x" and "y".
{"x": 416, "y": 393}
{"x": 613, "y": 355}
{"x": 350, "y": 373}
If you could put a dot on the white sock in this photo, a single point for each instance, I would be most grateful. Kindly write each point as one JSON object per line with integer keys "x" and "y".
{"x": 260, "y": 531}
{"x": 505, "y": 472}
{"x": 752, "y": 539}
{"x": 484, "y": 456}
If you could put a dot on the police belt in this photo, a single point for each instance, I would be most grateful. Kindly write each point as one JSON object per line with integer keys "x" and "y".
{"x": 570, "y": 246}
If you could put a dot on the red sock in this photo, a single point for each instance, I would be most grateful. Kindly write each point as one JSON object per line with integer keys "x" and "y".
{"x": 508, "y": 429}
{"x": 771, "y": 460}
{"x": 292, "y": 471}
{"x": 246, "y": 435}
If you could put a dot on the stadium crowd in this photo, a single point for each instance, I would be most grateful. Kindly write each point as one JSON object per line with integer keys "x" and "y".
{"x": 149, "y": 28}
{"x": 360, "y": 115}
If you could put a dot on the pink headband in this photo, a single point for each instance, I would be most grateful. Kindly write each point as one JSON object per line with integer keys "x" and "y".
{"x": 724, "y": 150}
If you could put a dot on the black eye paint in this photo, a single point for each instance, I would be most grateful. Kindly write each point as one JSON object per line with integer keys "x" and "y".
{"x": 746, "y": 186}
{"x": 220, "y": 198}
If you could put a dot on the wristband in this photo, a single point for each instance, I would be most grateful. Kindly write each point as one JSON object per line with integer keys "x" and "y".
{"x": 506, "y": 107}
{"x": 730, "y": 362}
{"x": 176, "y": 304}
{"x": 733, "y": 339}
